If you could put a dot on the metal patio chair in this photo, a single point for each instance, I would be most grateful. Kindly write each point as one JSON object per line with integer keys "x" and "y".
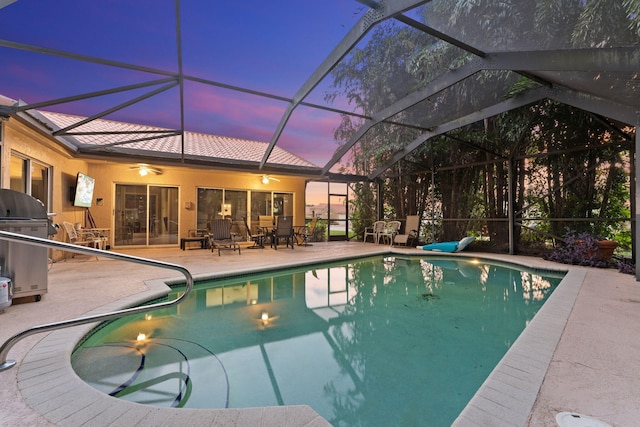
{"x": 221, "y": 237}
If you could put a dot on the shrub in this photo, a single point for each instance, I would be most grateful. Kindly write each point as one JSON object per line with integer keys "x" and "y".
{"x": 578, "y": 249}
{"x": 626, "y": 266}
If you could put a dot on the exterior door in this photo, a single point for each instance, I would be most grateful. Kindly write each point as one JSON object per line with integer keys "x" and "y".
{"x": 338, "y": 213}
{"x": 145, "y": 215}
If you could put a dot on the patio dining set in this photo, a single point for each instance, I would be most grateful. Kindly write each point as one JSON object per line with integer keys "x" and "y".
{"x": 275, "y": 231}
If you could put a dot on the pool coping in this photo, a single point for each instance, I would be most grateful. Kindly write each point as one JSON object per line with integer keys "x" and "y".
{"x": 507, "y": 396}
{"x": 50, "y": 386}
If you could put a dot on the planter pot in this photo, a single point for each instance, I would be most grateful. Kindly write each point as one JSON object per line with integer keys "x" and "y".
{"x": 606, "y": 248}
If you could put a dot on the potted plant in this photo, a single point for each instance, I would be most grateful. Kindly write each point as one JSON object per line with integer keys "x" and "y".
{"x": 583, "y": 249}
{"x": 606, "y": 248}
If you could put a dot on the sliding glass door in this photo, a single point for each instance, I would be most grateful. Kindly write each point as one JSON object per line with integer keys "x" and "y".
{"x": 146, "y": 215}
{"x": 239, "y": 205}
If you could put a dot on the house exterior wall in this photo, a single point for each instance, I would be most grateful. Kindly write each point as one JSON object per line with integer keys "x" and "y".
{"x": 188, "y": 180}
{"x": 25, "y": 140}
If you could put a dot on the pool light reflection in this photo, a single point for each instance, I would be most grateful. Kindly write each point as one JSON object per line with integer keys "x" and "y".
{"x": 141, "y": 339}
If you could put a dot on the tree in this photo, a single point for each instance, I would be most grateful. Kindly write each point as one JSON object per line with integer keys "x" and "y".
{"x": 371, "y": 78}
{"x": 398, "y": 60}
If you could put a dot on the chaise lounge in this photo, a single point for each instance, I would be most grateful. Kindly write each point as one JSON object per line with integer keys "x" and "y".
{"x": 221, "y": 237}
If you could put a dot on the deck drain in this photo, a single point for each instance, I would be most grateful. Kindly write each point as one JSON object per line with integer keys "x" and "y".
{"x": 570, "y": 419}
{"x": 428, "y": 297}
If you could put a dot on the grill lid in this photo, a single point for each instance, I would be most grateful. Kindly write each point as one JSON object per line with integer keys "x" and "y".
{"x": 15, "y": 205}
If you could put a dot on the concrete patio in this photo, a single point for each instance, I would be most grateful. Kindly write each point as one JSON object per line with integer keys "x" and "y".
{"x": 591, "y": 367}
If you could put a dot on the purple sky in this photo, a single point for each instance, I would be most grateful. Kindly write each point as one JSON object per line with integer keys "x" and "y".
{"x": 267, "y": 46}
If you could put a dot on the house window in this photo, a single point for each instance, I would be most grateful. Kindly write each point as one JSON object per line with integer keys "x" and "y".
{"x": 220, "y": 203}
{"x": 282, "y": 204}
{"x": 31, "y": 177}
{"x": 240, "y": 204}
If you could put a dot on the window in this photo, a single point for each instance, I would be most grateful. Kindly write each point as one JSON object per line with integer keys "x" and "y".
{"x": 260, "y": 204}
{"x": 31, "y": 177}
{"x": 283, "y": 204}
{"x": 240, "y": 204}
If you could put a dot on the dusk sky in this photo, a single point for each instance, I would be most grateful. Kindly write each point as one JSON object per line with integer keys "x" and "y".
{"x": 271, "y": 47}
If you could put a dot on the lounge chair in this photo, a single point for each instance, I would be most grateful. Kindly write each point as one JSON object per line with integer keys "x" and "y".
{"x": 374, "y": 231}
{"x": 303, "y": 232}
{"x": 448, "y": 246}
{"x": 283, "y": 230}
{"x": 257, "y": 239}
{"x": 411, "y": 228}
{"x": 221, "y": 237}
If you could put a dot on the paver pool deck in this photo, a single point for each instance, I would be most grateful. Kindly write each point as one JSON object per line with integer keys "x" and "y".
{"x": 580, "y": 354}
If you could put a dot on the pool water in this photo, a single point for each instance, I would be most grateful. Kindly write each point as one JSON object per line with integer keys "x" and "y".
{"x": 378, "y": 341}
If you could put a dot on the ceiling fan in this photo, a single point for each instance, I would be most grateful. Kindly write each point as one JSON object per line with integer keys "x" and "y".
{"x": 266, "y": 178}
{"x": 145, "y": 169}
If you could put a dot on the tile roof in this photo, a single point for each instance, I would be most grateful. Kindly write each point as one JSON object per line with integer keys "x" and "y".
{"x": 113, "y": 136}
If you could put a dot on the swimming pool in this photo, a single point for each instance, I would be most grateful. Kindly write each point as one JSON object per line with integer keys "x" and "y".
{"x": 375, "y": 341}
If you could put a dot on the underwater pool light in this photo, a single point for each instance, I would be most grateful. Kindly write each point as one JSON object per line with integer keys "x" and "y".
{"x": 141, "y": 338}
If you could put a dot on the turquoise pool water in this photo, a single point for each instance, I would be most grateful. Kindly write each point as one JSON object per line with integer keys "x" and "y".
{"x": 379, "y": 341}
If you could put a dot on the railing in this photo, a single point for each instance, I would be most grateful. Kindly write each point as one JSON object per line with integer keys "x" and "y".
{"x": 37, "y": 241}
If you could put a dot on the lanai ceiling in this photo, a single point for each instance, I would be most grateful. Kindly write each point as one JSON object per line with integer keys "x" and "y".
{"x": 173, "y": 69}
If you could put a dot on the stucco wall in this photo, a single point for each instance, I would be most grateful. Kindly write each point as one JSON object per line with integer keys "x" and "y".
{"x": 26, "y": 141}
{"x": 107, "y": 175}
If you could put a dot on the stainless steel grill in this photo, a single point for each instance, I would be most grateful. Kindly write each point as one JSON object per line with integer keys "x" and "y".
{"x": 26, "y": 265}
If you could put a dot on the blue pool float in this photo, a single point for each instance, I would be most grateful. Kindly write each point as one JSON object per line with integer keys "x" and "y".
{"x": 448, "y": 246}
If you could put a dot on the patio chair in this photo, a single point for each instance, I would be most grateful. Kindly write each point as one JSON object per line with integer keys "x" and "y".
{"x": 221, "y": 237}
{"x": 302, "y": 233}
{"x": 411, "y": 228}
{"x": 257, "y": 239}
{"x": 390, "y": 231}
{"x": 83, "y": 238}
{"x": 374, "y": 231}
{"x": 283, "y": 230}
{"x": 265, "y": 222}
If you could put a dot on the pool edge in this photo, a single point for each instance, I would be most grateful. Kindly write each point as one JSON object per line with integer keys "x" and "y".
{"x": 509, "y": 393}
{"x": 50, "y": 386}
